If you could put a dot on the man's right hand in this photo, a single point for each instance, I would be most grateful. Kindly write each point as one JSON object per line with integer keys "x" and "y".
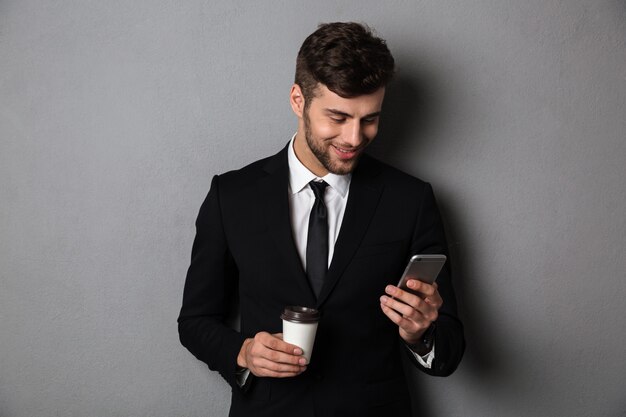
{"x": 267, "y": 355}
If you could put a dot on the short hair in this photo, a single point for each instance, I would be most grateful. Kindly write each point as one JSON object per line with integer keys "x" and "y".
{"x": 345, "y": 57}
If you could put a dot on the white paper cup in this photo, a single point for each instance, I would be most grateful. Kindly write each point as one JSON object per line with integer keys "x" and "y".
{"x": 299, "y": 328}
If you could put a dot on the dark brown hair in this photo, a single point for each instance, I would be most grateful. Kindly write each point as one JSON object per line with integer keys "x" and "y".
{"x": 345, "y": 57}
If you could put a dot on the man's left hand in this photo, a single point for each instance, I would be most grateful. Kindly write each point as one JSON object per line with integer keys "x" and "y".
{"x": 412, "y": 313}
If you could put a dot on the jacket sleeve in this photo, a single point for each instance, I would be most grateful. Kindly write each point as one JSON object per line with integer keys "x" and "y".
{"x": 430, "y": 238}
{"x": 210, "y": 292}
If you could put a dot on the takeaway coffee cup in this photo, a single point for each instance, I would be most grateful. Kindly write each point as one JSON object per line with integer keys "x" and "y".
{"x": 299, "y": 328}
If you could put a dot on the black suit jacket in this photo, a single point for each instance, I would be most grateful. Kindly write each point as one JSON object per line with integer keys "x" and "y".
{"x": 244, "y": 250}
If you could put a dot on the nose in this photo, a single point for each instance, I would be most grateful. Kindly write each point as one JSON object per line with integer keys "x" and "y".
{"x": 354, "y": 134}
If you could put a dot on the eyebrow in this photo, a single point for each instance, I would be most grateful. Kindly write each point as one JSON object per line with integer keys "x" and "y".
{"x": 346, "y": 115}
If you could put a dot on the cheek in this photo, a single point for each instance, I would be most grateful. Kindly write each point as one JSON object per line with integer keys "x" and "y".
{"x": 326, "y": 131}
{"x": 370, "y": 131}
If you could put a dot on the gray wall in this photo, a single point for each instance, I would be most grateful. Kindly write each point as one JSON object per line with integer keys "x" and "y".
{"x": 114, "y": 116}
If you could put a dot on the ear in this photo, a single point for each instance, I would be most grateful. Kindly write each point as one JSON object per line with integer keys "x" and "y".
{"x": 296, "y": 99}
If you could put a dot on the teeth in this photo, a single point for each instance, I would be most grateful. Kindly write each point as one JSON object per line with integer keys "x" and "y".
{"x": 342, "y": 150}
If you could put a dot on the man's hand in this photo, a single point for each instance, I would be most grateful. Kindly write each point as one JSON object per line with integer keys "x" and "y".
{"x": 412, "y": 313}
{"x": 268, "y": 355}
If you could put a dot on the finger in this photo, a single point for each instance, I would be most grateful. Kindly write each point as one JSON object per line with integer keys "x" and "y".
{"x": 268, "y": 367}
{"x": 400, "y": 307}
{"x": 405, "y": 325}
{"x": 296, "y": 349}
{"x": 435, "y": 301}
{"x": 279, "y": 357}
{"x": 275, "y": 343}
{"x": 430, "y": 292}
{"x": 409, "y": 305}
{"x": 421, "y": 287}
{"x": 423, "y": 316}
{"x": 266, "y": 346}
{"x": 409, "y": 329}
{"x": 406, "y": 297}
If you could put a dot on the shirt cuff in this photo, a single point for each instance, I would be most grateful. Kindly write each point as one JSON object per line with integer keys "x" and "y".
{"x": 427, "y": 360}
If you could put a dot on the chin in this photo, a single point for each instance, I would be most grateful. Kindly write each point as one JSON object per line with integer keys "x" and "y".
{"x": 342, "y": 168}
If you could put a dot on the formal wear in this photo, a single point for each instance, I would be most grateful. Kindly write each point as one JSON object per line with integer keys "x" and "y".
{"x": 244, "y": 250}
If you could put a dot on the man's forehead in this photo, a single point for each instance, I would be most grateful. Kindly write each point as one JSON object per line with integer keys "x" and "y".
{"x": 332, "y": 101}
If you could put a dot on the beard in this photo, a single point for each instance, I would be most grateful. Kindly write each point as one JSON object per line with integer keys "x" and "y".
{"x": 323, "y": 154}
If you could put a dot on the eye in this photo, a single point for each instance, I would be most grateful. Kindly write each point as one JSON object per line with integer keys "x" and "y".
{"x": 338, "y": 119}
{"x": 369, "y": 120}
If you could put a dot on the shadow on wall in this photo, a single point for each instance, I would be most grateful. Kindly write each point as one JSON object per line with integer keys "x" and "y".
{"x": 410, "y": 101}
{"x": 415, "y": 110}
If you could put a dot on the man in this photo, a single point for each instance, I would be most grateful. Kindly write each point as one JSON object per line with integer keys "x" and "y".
{"x": 259, "y": 240}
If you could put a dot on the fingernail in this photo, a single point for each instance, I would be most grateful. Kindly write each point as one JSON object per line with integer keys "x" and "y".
{"x": 383, "y": 299}
{"x": 302, "y": 361}
{"x": 389, "y": 289}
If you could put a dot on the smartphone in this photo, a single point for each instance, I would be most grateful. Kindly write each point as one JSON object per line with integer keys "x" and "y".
{"x": 422, "y": 267}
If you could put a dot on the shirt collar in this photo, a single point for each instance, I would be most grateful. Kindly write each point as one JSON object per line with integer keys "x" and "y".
{"x": 300, "y": 176}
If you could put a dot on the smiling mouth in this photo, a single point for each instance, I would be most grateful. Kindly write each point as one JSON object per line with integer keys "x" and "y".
{"x": 347, "y": 153}
{"x": 344, "y": 150}
{"x": 348, "y": 150}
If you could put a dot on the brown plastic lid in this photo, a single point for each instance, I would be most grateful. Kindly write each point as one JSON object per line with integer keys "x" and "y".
{"x": 299, "y": 314}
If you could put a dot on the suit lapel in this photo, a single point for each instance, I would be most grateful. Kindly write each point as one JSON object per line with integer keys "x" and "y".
{"x": 363, "y": 199}
{"x": 274, "y": 192}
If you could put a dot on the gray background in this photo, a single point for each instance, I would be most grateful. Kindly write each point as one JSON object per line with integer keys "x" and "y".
{"x": 114, "y": 116}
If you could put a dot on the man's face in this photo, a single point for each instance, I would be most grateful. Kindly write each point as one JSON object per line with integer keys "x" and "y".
{"x": 337, "y": 130}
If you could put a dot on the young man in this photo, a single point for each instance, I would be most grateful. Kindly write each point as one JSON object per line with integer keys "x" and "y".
{"x": 321, "y": 224}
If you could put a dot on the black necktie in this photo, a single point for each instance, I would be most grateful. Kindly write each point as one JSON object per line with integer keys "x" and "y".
{"x": 317, "y": 240}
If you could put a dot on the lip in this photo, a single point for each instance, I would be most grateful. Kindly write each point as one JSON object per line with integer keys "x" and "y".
{"x": 342, "y": 154}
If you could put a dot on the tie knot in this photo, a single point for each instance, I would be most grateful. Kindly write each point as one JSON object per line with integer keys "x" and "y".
{"x": 318, "y": 188}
